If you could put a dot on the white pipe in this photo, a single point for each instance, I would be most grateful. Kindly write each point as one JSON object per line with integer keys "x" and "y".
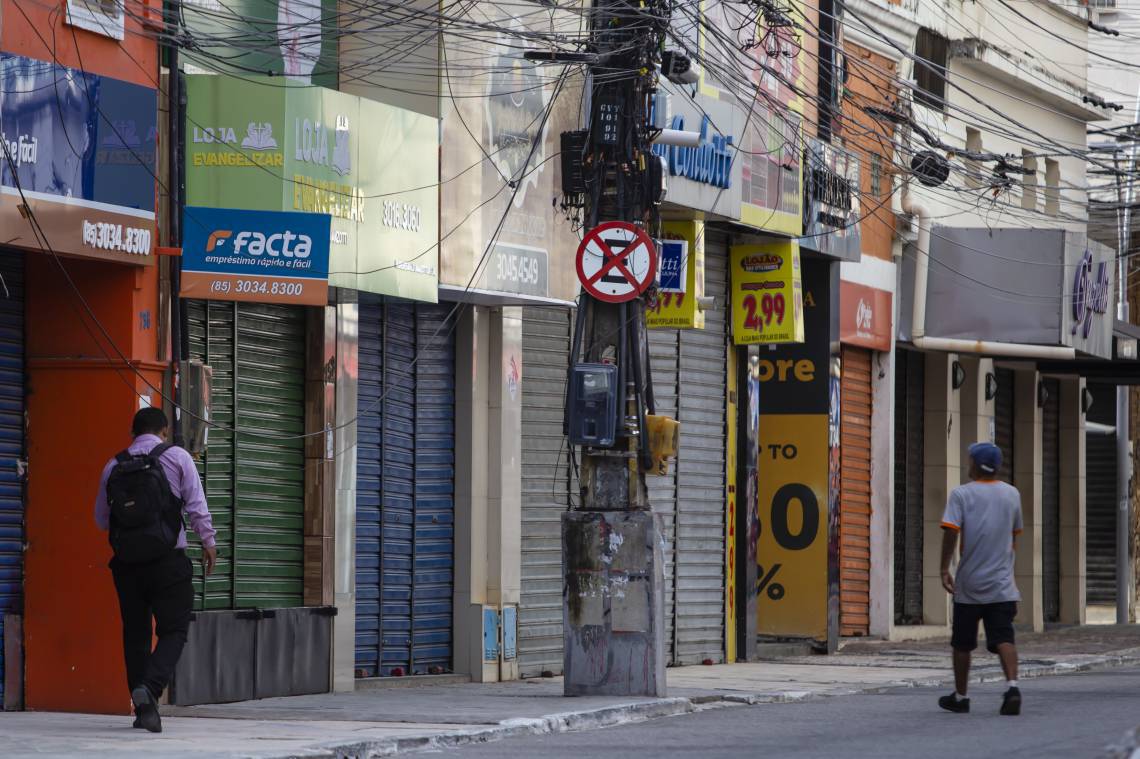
{"x": 953, "y": 345}
{"x": 678, "y": 138}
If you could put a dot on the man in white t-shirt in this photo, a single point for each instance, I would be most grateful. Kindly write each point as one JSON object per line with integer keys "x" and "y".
{"x": 986, "y": 515}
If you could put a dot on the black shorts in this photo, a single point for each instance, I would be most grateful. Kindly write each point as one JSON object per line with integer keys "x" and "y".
{"x": 997, "y": 617}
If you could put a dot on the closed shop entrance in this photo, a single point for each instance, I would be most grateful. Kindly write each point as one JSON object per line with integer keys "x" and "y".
{"x": 254, "y": 478}
{"x": 405, "y": 489}
{"x": 1051, "y": 501}
{"x": 910, "y": 378}
{"x": 855, "y": 493}
{"x": 690, "y": 369}
{"x": 546, "y": 487}
{"x": 11, "y": 444}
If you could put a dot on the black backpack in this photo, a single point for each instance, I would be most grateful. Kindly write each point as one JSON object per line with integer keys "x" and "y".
{"x": 146, "y": 517}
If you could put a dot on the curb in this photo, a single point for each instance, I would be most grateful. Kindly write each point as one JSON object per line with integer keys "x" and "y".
{"x": 643, "y": 711}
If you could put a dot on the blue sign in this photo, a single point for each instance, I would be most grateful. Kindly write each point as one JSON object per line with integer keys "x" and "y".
{"x": 674, "y": 254}
{"x": 77, "y": 135}
{"x": 262, "y": 256}
{"x": 708, "y": 163}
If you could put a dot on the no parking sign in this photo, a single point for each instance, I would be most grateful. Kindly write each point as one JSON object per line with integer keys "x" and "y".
{"x": 616, "y": 261}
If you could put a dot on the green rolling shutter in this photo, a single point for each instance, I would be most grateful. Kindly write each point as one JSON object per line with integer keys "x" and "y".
{"x": 254, "y": 482}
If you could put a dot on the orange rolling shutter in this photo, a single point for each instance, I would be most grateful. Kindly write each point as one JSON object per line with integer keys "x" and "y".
{"x": 855, "y": 493}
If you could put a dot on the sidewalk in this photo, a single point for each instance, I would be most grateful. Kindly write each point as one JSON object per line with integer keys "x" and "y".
{"x": 386, "y": 721}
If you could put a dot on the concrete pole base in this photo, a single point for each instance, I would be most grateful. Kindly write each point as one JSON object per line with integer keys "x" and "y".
{"x": 613, "y": 604}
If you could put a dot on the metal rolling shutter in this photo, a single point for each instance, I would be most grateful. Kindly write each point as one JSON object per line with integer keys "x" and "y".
{"x": 255, "y": 481}
{"x": 1100, "y": 500}
{"x": 1051, "y": 502}
{"x": 11, "y": 441}
{"x": 700, "y": 530}
{"x": 909, "y": 454}
{"x": 1003, "y": 421}
{"x": 546, "y": 487}
{"x": 664, "y": 356}
{"x": 211, "y": 327}
{"x": 405, "y": 489}
{"x": 855, "y": 493}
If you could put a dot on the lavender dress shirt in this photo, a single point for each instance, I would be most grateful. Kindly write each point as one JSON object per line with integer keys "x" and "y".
{"x": 184, "y": 481}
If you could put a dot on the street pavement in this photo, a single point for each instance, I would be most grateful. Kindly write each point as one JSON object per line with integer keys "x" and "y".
{"x": 1064, "y": 716}
{"x": 446, "y": 714}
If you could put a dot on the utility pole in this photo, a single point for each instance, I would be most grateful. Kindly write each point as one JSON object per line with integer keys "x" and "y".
{"x": 612, "y": 560}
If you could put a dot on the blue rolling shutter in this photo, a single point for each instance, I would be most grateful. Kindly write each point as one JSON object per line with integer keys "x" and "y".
{"x": 11, "y": 441}
{"x": 405, "y": 489}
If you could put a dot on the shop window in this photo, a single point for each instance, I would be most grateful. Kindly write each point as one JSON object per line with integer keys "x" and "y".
{"x": 931, "y": 51}
{"x": 100, "y": 16}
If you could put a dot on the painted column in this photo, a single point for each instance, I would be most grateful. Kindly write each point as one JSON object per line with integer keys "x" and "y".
{"x": 882, "y": 492}
{"x": 977, "y": 411}
{"x": 1027, "y": 429}
{"x": 1072, "y": 502}
{"x": 504, "y": 481}
{"x": 941, "y": 474}
{"x": 488, "y": 488}
{"x": 472, "y": 354}
{"x": 344, "y": 533}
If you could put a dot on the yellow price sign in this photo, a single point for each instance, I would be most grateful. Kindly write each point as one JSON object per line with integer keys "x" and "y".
{"x": 767, "y": 293}
{"x": 680, "y": 309}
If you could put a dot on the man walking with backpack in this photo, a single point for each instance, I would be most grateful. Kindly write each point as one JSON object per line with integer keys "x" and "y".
{"x": 142, "y": 495}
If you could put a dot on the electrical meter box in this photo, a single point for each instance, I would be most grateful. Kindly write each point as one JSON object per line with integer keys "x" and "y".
{"x": 593, "y": 408}
{"x": 194, "y": 420}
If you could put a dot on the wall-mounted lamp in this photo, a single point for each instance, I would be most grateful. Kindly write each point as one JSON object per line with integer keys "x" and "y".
{"x": 991, "y": 386}
{"x": 959, "y": 375}
{"x": 1042, "y": 394}
{"x": 1086, "y": 400}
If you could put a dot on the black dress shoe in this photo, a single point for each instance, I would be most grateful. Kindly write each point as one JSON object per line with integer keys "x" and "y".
{"x": 146, "y": 710}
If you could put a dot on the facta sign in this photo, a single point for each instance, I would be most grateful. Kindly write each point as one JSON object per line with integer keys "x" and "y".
{"x": 709, "y": 163}
{"x": 258, "y": 256}
{"x": 1090, "y": 293}
{"x": 268, "y": 145}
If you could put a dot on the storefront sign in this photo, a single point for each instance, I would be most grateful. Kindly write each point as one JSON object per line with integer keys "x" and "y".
{"x": 81, "y": 149}
{"x": 708, "y": 163}
{"x": 865, "y": 316}
{"x": 256, "y": 256}
{"x": 267, "y": 145}
{"x": 1090, "y": 293}
{"x": 679, "y": 309}
{"x": 767, "y": 297}
{"x": 797, "y": 478}
{"x": 831, "y": 203}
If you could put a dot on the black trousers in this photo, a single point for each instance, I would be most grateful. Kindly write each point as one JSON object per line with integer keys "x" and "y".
{"x": 163, "y": 590}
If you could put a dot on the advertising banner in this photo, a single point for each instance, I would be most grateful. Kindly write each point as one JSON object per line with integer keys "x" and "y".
{"x": 255, "y": 256}
{"x": 797, "y": 498}
{"x": 81, "y": 149}
{"x": 866, "y": 316}
{"x": 265, "y": 145}
{"x": 290, "y": 38}
{"x": 767, "y": 295}
{"x": 677, "y": 307}
{"x": 504, "y": 239}
{"x": 831, "y": 203}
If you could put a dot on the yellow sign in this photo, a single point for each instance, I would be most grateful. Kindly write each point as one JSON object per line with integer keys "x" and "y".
{"x": 680, "y": 310}
{"x": 791, "y": 576}
{"x": 767, "y": 293}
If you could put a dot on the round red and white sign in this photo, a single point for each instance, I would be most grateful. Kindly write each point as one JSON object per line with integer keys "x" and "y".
{"x": 616, "y": 261}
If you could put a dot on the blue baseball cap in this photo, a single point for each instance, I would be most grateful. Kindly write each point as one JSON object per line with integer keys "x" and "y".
{"x": 987, "y": 456}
